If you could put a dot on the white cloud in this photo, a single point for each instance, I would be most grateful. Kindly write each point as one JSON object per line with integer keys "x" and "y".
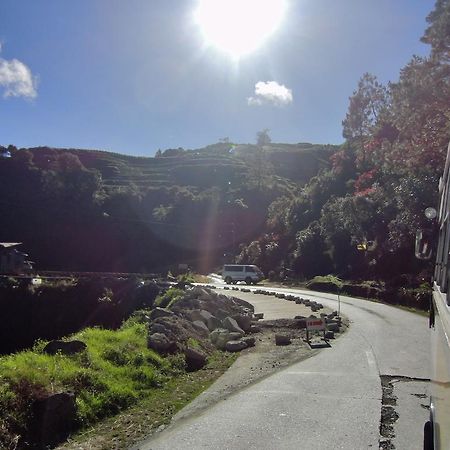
{"x": 16, "y": 79}
{"x": 270, "y": 92}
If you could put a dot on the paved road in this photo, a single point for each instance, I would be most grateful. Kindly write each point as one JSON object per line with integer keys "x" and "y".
{"x": 330, "y": 401}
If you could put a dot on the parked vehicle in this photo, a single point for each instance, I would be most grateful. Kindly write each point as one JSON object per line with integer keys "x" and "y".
{"x": 232, "y": 273}
{"x": 437, "y": 429}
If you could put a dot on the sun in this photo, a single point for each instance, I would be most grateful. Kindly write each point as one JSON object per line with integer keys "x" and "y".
{"x": 238, "y": 27}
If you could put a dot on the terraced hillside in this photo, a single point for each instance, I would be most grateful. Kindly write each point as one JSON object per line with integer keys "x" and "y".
{"x": 91, "y": 210}
{"x": 217, "y": 165}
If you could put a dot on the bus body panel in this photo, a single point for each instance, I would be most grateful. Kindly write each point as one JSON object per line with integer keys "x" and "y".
{"x": 440, "y": 377}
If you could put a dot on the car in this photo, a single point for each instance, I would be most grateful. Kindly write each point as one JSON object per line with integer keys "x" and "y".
{"x": 232, "y": 273}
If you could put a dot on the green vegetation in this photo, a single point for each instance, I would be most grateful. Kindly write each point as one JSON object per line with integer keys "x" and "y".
{"x": 358, "y": 217}
{"x": 328, "y": 283}
{"x": 115, "y": 372}
{"x": 135, "y": 423}
{"x": 169, "y": 298}
{"x": 295, "y": 210}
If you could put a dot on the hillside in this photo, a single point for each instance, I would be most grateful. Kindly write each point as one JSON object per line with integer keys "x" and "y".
{"x": 95, "y": 210}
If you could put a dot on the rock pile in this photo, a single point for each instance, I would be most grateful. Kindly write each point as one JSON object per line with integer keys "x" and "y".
{"x": 205, "y": 319}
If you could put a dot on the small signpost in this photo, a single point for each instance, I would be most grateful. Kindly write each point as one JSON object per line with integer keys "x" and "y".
{"x": 315, "y": 324}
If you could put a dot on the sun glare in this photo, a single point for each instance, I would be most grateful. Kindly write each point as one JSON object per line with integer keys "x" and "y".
{"x": 238, "y": 27}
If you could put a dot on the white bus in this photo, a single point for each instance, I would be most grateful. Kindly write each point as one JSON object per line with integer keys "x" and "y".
{"x": 437, "y": 430}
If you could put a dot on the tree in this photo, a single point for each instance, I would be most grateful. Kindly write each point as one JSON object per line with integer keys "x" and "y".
{"x": 263, "y": 138}
{"x": 260, "y": 168}
{"x": 438, "y": 33}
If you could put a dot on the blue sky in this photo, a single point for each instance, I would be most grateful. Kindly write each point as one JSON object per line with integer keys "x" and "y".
{"x": 134, "y": 76}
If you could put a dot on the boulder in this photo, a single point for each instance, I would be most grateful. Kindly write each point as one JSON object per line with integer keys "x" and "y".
{"x": 244, "y": 322}
{"x": 255, "y": 329}
{"x": 160, "y": 312}
{"x": 200, "y": 293}
{"x": 249, "y": 340}
{"x": 195, "y": 359}
{"x": 161, "y": 344}
{"x": 66, "y": 348}
{"x": 234, "y": 336}
{"x": 220, "y": 337}
{"x": 199, "y": 314}
{"x": 299, "y": 301}
{"x": 53, "y": 418}
{"x": 205, "y": 316}
{"x": 333, "y": 327}
{"x": 200, "y": 327}
{"x": 258, "y": 316}
{"x": 157, "y": 328}
{"x": 221, "y": 314}
{"x": 329, "y": 334}
{"x": 213, "y": 323}
{"x": 282, "y": 339}
{"x": 230, "y": 324}
{"x": 235, "y": 346}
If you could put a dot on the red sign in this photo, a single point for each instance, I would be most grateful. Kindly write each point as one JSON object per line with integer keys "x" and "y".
{"x": 315, "y": 324}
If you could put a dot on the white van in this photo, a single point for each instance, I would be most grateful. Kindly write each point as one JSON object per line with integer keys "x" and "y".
{"x": 232, "y": 273}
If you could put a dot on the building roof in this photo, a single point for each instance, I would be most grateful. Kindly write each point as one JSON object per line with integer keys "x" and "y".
{"x": 9, "y": 244}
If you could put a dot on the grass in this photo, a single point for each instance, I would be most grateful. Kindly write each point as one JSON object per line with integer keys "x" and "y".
{"x": 152, "y": 412}
{"x": 169, "y": 298}
{"x": 116, "y": 371}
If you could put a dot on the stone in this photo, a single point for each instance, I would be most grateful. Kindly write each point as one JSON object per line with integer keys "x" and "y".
{"x": 213, "y": 323}
{"x": 161, "y": 344}
{"x": 221, "y": 314}
{"x": 205, "y": 316}
{"x": 160, "y": 312}
{"x": 157, "y": 328}
{"x": 199, "y": 314}
{"x": 258, "y": 316}
{"x": 200, "y": 327}
{"x": 235, "y": 346}
{"x": 195, "y": 359}
{"x": 200, "y": 293}
{"x": 220, "y": 337}
{"x": 329, "y": 334}
{"x": 299, "y": 301}
{"x": 234, "y": 336}
{"x": 281, "y": 339}
{"x": 230, "y": 324}
{"x": 333, "y": 327}
{"x": 249, "y": 340}
{"x": 255, "y": 329}
{"x": 244, "y": 322}
{"x": 53, "y": 418}
{"x": 66, "y": 348}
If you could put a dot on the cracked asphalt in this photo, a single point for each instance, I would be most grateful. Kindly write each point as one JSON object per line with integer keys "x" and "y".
{"x": 332, "y": 400}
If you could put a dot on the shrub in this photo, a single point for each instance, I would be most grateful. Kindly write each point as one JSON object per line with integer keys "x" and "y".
{"x": 169, "y": 298}
{"x": 327, "y": 283}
